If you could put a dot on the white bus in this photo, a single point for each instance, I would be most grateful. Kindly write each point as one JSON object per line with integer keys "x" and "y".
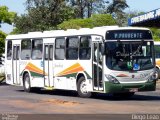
{"x": 118, "y": 60}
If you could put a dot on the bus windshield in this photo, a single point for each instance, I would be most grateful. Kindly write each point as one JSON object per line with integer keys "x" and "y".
{"x": 129, "y": 56}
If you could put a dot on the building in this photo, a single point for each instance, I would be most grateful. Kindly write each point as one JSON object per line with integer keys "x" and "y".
{"x": 149, "y": 19}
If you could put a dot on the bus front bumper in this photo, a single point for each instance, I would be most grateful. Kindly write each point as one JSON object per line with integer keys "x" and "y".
{"x": 136, "y": 87}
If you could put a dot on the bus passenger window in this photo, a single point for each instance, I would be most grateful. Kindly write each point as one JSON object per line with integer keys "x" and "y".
{"x": 60, "y": 49}
{"x": 26, "y": 49}
{"x": 9, "y": 50}
{"x": 72, "y": 48}
{"x": 85, "y": 48}
{"x": 37, "y": 47}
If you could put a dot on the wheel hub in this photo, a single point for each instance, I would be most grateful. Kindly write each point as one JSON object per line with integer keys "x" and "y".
{"x": 27, "y": 83}
{"x": 83, "y": 87}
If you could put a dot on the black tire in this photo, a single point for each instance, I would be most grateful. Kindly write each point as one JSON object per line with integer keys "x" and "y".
{"x": 26, "y": 83}
{"x": 81, "y": 84}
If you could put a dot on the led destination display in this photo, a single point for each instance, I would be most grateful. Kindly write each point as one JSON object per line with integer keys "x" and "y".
{"x": 131, "y": 34}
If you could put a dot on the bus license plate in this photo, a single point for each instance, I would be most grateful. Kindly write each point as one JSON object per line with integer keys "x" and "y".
{"x": 133, "y": 90}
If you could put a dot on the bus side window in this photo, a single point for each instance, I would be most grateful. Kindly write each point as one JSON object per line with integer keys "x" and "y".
{"x": 72, "y": 48}
{"x": 26, "y": 49}
{"x": 9, "y": 50}
{"x": 60, "y": 49}
{"x": 37, "y": 47}
{"x": 85, "y": 48}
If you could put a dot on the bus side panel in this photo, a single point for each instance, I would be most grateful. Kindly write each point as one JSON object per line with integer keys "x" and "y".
{"x": 63, "y": 79}
{"x": 66, "y": 74}
{"x": 35, "y": 70}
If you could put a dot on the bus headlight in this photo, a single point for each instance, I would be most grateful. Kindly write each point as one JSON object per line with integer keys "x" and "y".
{"x": 153, "y": 77}
{"x": 112, "y": 79}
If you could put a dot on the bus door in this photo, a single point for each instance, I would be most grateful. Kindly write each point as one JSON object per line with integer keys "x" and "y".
{"x": 48, "y": 65}
{"x": 15, "y": 64}
{"x": 97, "y": 67}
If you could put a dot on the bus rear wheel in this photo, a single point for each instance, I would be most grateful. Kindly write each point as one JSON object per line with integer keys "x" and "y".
{"x": 26, "y": 83}
{"x": 82, "y": 88}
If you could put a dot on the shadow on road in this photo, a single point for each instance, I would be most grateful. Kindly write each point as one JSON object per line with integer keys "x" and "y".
{"x": 136, "y": 97}
{"x": 54, "y": 92}
{"x": 100, "y": 96}
{"x": 3, "y": 83}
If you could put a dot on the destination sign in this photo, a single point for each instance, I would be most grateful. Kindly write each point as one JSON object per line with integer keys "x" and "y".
{"x": 128, "y": 34}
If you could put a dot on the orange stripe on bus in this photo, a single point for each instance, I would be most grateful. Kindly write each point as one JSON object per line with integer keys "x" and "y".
{"x": 34, "y": 68}
{"x": 72, "y": 71}
{"x": 71, "y": 68}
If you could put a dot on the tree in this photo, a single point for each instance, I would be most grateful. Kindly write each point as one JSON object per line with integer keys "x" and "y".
{"x": 85, "y": 8}
{"x": 94, "y": 21}
{"x": 43, "y": 15}
{"x": 78, "y": 7}
{"x": 116, "y": 8}
{"x": 156, "y": 34}
{"x": 2, "y": 42}
{"x": 76, "y": 24}
{"x": 5, "y": 17}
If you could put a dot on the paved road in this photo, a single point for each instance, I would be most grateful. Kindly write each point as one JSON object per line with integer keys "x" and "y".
{"x": 14, "y": 100}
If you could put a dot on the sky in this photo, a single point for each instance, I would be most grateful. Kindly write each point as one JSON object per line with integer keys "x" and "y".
{"x": 18, "y": 6}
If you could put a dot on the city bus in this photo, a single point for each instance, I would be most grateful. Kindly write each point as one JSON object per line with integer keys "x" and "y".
{"x": 107, "y": 59}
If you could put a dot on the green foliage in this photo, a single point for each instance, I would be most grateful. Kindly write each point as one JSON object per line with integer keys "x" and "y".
{"x": 62, "y": 14}
{"x": 93, "y": 21}
{"x": 156, "y": 34}
{"x": 2, "y": 41}
{"x": 116, "y": 8}
{"x": 43, "y": 15}
{"x": 75, "y": 24}
{"x": 102, "y": 20}
{"x": 15, "y": 31}
{"x": 85, "y": 8}
{"x": 5, "y": 15}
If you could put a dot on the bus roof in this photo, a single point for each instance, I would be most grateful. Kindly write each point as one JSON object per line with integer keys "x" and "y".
{"x": 71, "y": 32}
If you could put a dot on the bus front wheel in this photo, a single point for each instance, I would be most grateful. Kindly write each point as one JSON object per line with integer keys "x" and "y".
{"x": 26, "y": 83}
{"x": 82, "y": 88}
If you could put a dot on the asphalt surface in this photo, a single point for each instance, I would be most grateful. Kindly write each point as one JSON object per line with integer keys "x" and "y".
{"x": 14, "y": 100}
